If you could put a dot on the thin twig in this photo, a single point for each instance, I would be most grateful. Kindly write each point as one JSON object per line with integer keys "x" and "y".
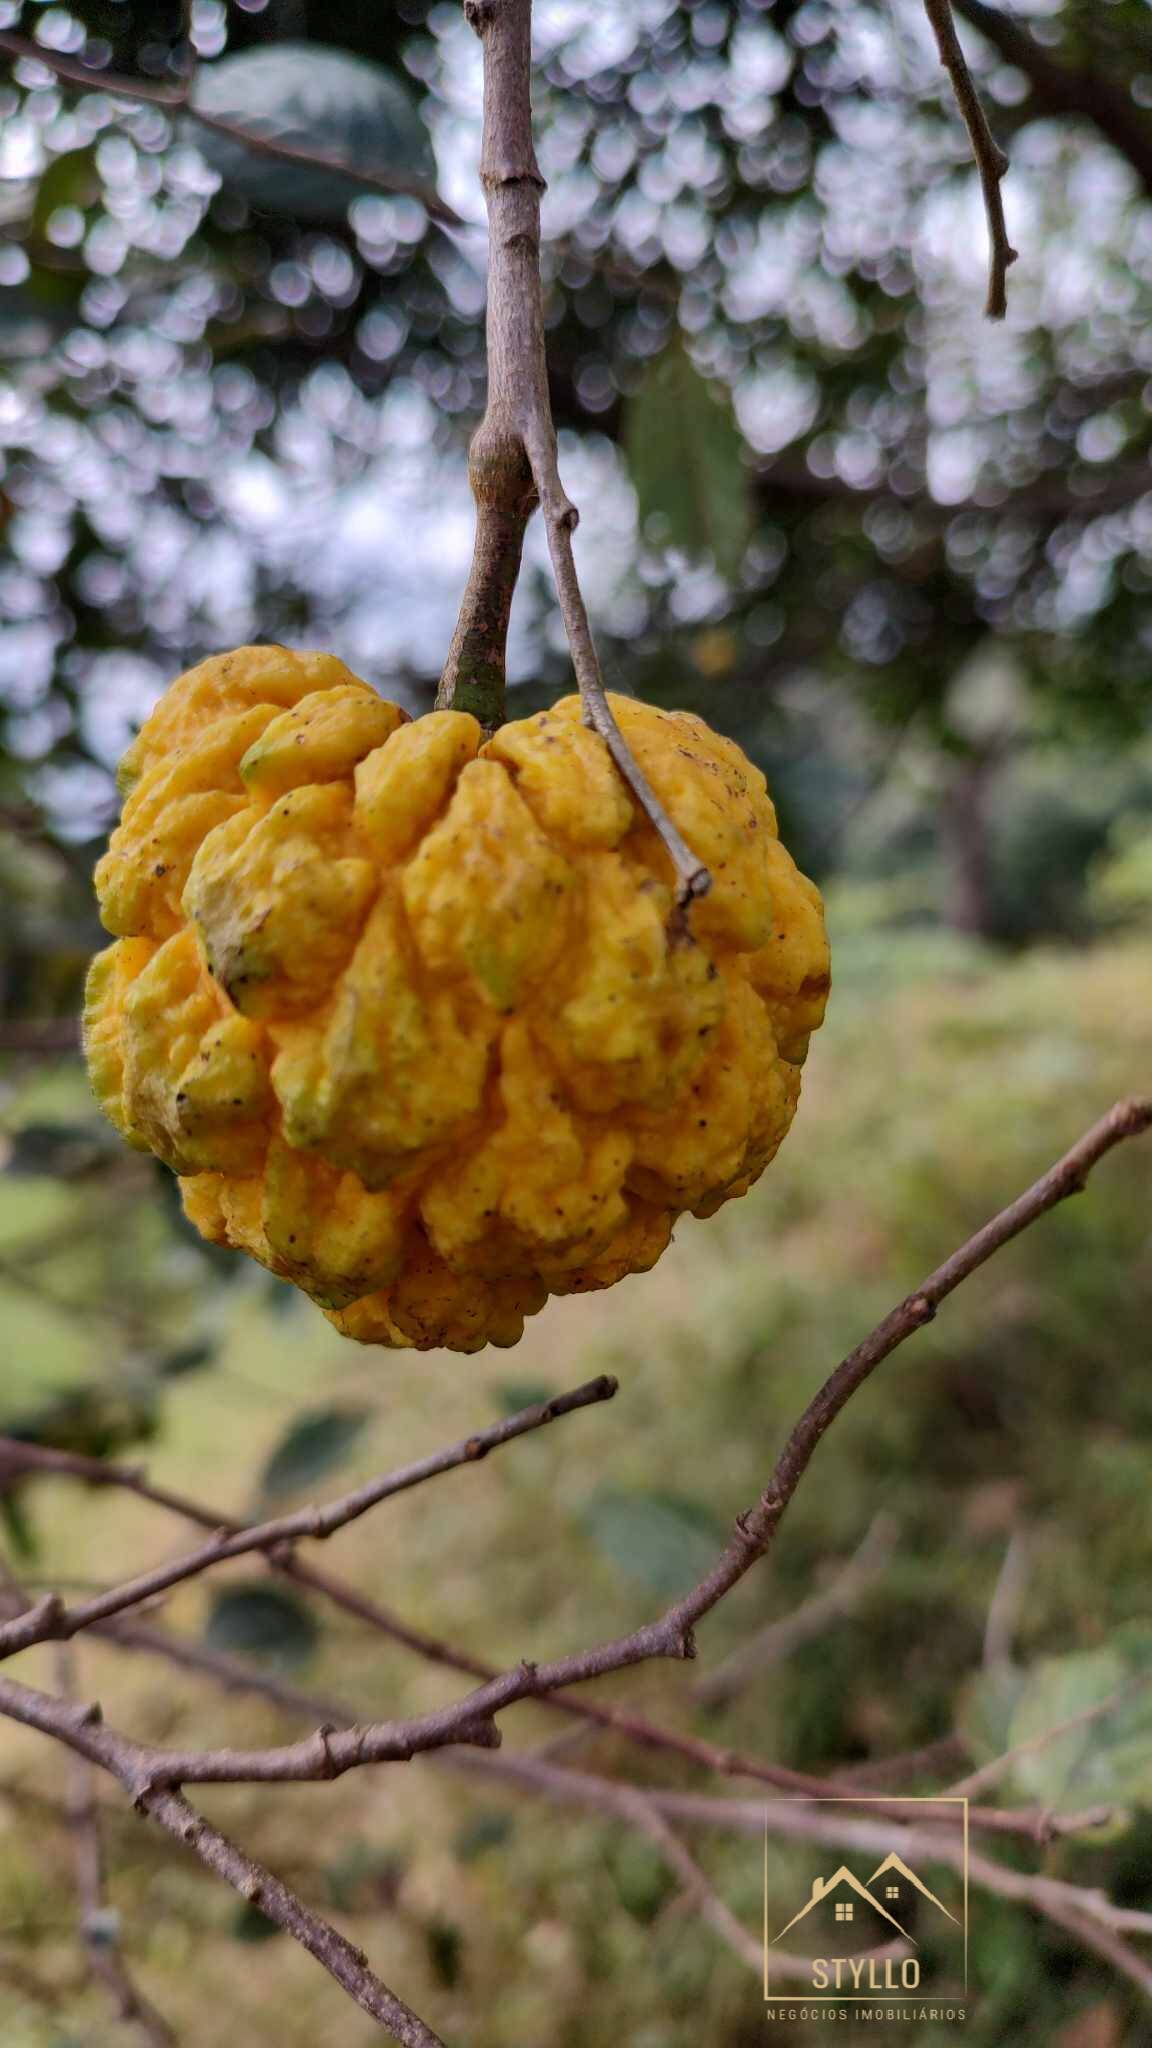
{"x": 1007, "y": 1594}
{"x": 97, "y": 1923}
{"x": 177, "y": 100}
{"x": 990, "y": 160}
{"x": 779, "y": 1638}
{"x": 346, "y": 1963}
{"x": 920, "y": 1844}
{"x": 512, "y": 462}
{"x": 1035, "y": 1823}
{"x": 50, "y": 1620}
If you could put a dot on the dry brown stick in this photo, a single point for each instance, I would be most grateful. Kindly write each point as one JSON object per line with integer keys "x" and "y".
{"x": 1101, "y": 1924}
{"x": 778, "y": 1639}
{"x": 343, "y": 1961}
{"x": 1036, "y": 1823}
{"x": 50, "y": 1620}
{"x": 176, "y": 100}
{"x": 80, "y": 1729}
{"x": 990, "y": 160}
{"x": 97, "y": 1924}
{"x": 513, "y": 456}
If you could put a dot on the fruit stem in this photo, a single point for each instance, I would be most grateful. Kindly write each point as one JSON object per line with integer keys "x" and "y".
{"x": 512, "y": 460}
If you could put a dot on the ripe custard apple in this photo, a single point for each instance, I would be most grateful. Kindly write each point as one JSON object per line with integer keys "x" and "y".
{"x": 407, "y": 1010}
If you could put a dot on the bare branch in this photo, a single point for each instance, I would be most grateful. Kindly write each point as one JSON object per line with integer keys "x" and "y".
{"x": 1059, "y": 88}
{"x": 343, "y": 1961}
{"x": 81, "y": 1730}
{"x": 176, "y": 100}
{"x": 778, "y": 1639}
{"x": 97, "y": 1924}
{"x": 50, "y": 1620}
{"x": 990, "y": 160}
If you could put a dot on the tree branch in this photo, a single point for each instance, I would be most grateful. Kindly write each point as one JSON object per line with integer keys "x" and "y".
{"x": 50, "y": 1620}
{"x": 1059, "y": 89}
{"x": 990, "y": 160}
{"x": 97, "y": 1924}
{"x": 777, "y": 1639}
{"x": 512, "y": 463}
{"x": 177, "y": 100}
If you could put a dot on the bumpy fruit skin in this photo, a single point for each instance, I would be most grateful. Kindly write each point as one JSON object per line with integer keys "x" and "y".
{"x": 409, "y": 1013}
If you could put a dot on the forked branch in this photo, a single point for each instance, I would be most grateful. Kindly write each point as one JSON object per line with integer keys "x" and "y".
{"x": 990, "y": 160}
{"x": 512, "y": 463}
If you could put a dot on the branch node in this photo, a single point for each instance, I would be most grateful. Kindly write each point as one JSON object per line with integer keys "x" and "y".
{"x": 329, "y": 1767}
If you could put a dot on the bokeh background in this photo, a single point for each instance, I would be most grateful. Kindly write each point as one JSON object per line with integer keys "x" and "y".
{"x": 904, "y": 556}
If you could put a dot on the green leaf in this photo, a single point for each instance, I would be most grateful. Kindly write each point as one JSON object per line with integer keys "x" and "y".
{"x": 186, "y": 1358}
{"x": 60, "y": 1151}
{"x": 17, "y": 1526}
{"x": 642, "y": 1878}
{"x": 312, "y": 98}
{"x": 985, "y": 1709}
{"x": 250, "y": 1924}
{"x": 1107, "y": 1759}
{"x": 262, "y": 1622}
{"x": 483, "y": 1832}
{"x": 69, "y": 180}
{"x": 513, "y": 1395}
{"x": 364, "y": 1877}
{"x": 310, "y": 1447}
{"x": 685, "y": 453}
{"x": 445, "y": 1951}
{"x": 662, "y": 1539}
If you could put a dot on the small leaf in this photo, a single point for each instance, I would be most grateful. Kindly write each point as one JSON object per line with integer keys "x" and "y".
{"x": 58, "y": 1151}
{"x": 985, "y": 1709}
{"x": 17, "y": 1526}
{"x": 364, "y": 1877}
{"x": 1108, "y": 1758}
{"x": 69, "y": 180}
{"x": 310, "y": 98}
{"x": 250, "y": 1924}
{"x": 311, "y": 1447}
{"x": 513, "y": 1395}
{"x": 186, "y": 1358}
{"x": 663, "y": 1539}
{"x": 445, "y": 1951}
{"x": 483, "y": 1832}
{"x": 642, "y": 1878}
{"x": 262, "y": 1622}
{"x": 685, "y": 453}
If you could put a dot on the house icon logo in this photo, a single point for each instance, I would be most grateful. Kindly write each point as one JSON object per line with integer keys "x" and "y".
{"x": 875, "y": 1932}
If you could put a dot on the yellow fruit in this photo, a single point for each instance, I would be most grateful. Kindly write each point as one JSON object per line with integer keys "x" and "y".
{"x": 409, "y": 1013}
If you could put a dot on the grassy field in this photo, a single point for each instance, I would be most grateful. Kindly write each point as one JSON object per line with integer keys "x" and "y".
{"x": 944, "y": 1080}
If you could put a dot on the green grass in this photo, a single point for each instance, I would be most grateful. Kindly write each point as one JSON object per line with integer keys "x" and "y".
{"x": 943, "y": 1082}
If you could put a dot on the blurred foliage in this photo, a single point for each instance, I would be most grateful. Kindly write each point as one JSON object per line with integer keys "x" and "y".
{"x": 1021, "y": 1416}
{"x": 223, "y": 410}
{"x": 905, "y": 558}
